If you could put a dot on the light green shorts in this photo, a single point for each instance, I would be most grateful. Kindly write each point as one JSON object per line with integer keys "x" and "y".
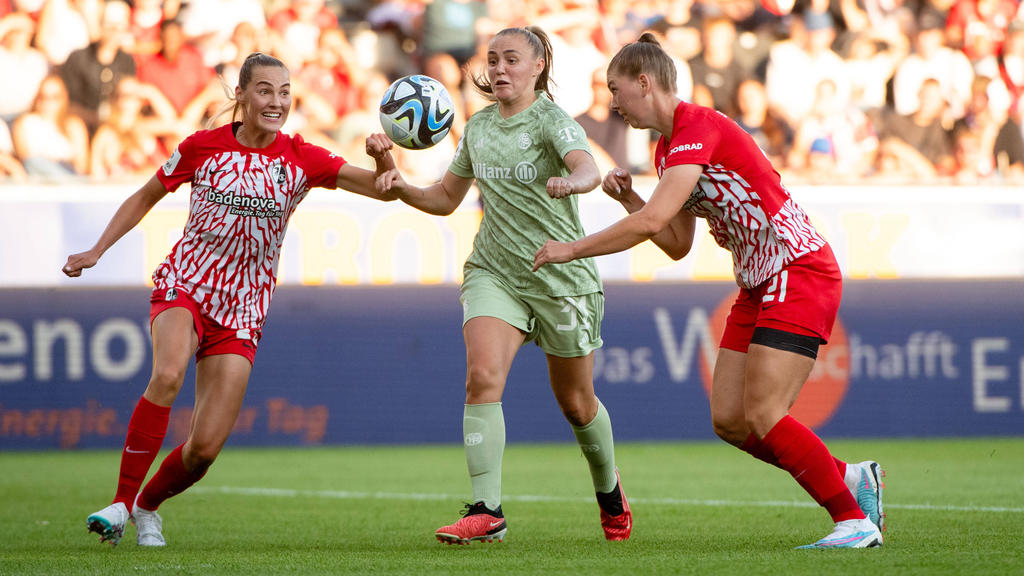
{"x": 564, "y": 326}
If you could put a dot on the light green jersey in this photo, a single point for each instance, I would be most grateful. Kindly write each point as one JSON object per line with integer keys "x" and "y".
{"x": 512, "y": 160}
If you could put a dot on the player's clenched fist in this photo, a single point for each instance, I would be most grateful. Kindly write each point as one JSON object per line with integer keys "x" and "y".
{"x": 78, "y": 262}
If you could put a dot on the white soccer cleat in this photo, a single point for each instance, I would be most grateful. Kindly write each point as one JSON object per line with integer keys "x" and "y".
{"x": 860, "y": 533}
{"x": 148, "y": 526}
{"x": 109, "y": 523}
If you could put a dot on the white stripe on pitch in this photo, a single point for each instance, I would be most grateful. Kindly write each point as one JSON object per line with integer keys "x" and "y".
{"x": 350, "y": 495}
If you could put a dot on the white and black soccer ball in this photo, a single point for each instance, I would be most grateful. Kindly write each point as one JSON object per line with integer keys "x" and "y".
{"x": 416, "y": 112}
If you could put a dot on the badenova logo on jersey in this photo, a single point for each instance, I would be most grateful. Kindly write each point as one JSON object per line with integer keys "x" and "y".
{"x": 523, "y": 172}
{"x": 246, "y": 205}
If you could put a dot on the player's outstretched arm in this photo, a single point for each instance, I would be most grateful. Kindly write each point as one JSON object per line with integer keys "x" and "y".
{"x": 440, "y": 198}
{"x": 363, "y": 182}
{"x": 131, "y": 212}
{"x": 676, "y": 238}
{"x": 665, "y": 206}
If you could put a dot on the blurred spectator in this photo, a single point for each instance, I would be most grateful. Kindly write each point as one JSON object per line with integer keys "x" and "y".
{"x": 310, "y": 115}
{"x": 605, "y": 129}
{"x": 19, "y": 60}
{"x": 177, "y": 69}
{"x": 889, "y": 19}
{"x": 206, "y": 106}
{"x": 146, "y": 20}
{"x": 681, "y": 43}
{"x": 333, "y": 72}
{"x": 1011, "y": 62}
{"x": 210, "y": 25}
{"x": 983, "y": 122}
{"x": 245, "y": 39}
{"x": 50, "y": 140}
{"x": 298, "y": 28}
{"x": 92, "y": 73}
{"x": 769, "y": 129}
{"x": 619, "y": 24}
{"x": 918, "y": 141}
{"x": 10, "y": 167}
{"x": 871, "y": 62}
{"x": 931, "y": 58}
{"x": 757, "y": 29}
{"x": 978, "y": 27}
{"x": 452, "y": 27}
{"x": 716, "y": 73}
{"x": 393, "y": 21}
{"x": 796, "y": 66}
{"x": 834, "y": 130}
{"x": 973, "y": 165}
{"x": 1009, "y": 146}
{"x": 130, "y": 141}
{"x": 572, "y": 31}
{"x": 66, "y": 26}
{"x": 351, "y": 130}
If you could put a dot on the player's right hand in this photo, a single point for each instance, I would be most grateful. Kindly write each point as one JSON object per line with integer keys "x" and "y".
{"x": 617, "y": 183}
{"x": 78, "y": 262}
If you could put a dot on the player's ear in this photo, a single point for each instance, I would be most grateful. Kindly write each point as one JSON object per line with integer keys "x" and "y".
{"x": 644, "y": 81}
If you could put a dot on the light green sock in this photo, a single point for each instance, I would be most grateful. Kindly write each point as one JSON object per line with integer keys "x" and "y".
{"x": 595, "y": 440}
{"x": 483, "y": 430}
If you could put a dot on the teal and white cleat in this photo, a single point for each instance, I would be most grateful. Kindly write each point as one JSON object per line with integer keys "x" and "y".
{"x": 860, "y": 533}
{"x": 869, "y": 492}
{"x": 148, "y": 525}
{"x": 109, "y": 523}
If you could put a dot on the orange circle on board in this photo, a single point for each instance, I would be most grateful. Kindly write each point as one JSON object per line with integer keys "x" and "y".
{"x": 824, "y": 390}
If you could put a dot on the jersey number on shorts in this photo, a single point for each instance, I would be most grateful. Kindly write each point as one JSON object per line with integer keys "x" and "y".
{"x": 577, "y": 309}
{"x": 776, "y": 291}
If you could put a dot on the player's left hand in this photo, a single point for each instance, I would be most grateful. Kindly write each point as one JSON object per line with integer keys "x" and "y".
{"x": 552, "y": 252}
{"x": 377, "y": 145}
{"x": 559, "y": 187}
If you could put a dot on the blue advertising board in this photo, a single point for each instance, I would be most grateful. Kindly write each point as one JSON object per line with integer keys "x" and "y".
{"x": 386, "y": 364}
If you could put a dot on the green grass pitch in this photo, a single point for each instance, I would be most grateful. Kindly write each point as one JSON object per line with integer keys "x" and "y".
{"x": 955, "y": 506}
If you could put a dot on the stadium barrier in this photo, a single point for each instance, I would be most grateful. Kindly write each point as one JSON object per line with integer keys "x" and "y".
{"x": 385, "y": 364}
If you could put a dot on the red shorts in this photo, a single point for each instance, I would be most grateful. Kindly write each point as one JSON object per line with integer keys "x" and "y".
{"x": 803, "y": 298}
{"x": 213, "y": 338}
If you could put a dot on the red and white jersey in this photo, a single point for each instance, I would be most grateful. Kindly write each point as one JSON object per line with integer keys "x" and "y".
{"x": 239, "y": 208}
{"x": 748, "y": 210}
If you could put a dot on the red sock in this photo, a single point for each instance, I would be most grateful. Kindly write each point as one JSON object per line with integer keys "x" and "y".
{"x": 755, "y": 447}
{"x": 172, "y": 478}
{"x": 801, "y": 453}
{"x": 841, "y": 466}
{"x": 146, "y": 431}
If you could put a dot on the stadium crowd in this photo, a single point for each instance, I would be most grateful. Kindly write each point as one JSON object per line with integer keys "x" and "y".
{"x": 834, "y": 91}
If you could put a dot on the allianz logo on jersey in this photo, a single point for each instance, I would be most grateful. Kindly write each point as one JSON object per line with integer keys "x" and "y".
{"x": 524, "y": 172}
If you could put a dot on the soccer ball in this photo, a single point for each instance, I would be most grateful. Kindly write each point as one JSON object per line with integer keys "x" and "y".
{"x": 416, "y": 112}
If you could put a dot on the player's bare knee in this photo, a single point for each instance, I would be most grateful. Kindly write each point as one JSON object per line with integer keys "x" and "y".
{"x": 199, "y": 456}
{"x": 730, "y": 430}
{"x": 760, "y": 420}
{"x": 167, "y": 378}
{"x": 484, "y": 384}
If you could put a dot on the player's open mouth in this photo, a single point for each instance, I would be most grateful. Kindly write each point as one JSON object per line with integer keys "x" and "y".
{"x": 272, "y": 115}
